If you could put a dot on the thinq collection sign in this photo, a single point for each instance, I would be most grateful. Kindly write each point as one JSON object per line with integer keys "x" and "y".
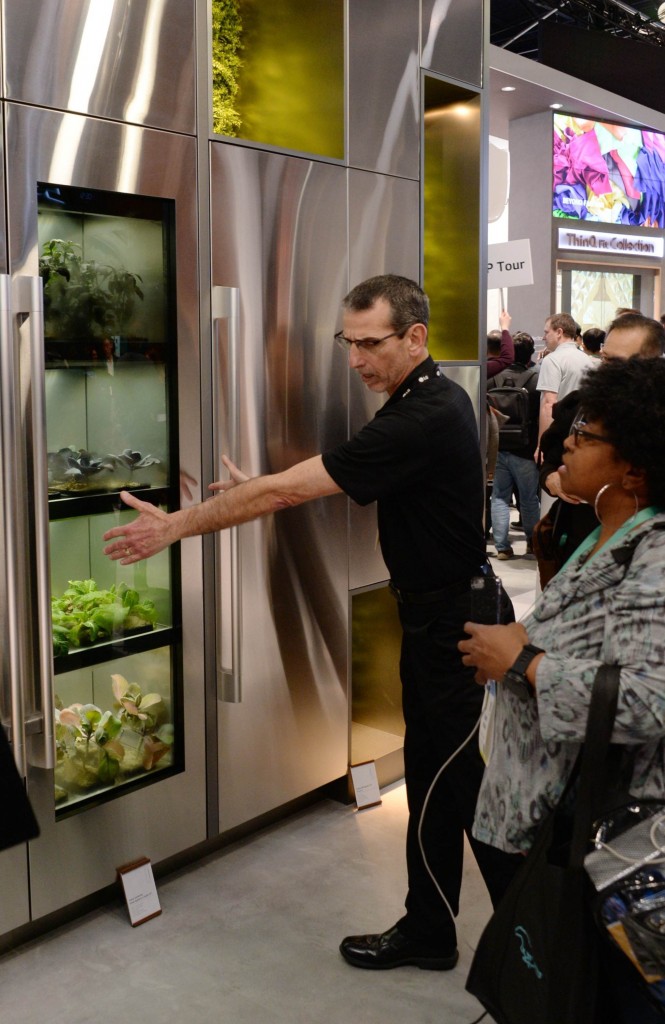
{"x": 624, "y": 245}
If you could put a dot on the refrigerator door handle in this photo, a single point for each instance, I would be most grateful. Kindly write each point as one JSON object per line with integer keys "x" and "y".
{"x": 9, "y": 387}
{"x": 29, "y": 301}
{"x": 226, "y": 435}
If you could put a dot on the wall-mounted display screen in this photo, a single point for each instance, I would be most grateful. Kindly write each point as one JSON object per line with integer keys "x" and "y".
{"x": 609, "y": 173}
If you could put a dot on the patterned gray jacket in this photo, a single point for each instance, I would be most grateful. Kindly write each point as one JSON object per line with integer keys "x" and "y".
{"x": 608, "y": 610}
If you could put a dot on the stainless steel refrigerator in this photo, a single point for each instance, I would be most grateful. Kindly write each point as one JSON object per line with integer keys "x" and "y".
{"x": 219, "y": 692}
{"x": 280, "y": 384}
{"x": 102, "y": 665}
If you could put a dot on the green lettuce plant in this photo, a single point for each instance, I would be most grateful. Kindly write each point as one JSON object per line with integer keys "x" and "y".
{"x": 85, "y": 615}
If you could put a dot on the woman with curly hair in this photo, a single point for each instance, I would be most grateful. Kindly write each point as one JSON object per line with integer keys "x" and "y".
{"x": 607, "y": 605}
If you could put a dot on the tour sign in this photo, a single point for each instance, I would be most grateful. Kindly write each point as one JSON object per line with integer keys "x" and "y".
{"x": 509, "y": 264}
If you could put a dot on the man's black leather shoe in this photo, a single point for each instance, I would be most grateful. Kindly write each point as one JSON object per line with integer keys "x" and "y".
{"x": 393, "y": 949}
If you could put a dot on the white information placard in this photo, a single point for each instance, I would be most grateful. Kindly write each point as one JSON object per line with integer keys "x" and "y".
{"x": 509, "y": 264}
{"x": 140, "y": 890}
{"x": 365, "y": 784}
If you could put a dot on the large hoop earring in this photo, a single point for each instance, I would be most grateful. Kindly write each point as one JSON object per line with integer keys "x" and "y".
{"x": 602, "y": 490}
{"x": 637, "y": 508}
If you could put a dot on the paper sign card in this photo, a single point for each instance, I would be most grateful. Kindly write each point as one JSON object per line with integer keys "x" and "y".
{"x": 138, "y": 883}
{"x": 509, "y": 264}
{"x": 365, "y": 784}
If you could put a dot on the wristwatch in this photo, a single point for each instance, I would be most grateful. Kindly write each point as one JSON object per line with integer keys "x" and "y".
{"x": 515, "y": 678}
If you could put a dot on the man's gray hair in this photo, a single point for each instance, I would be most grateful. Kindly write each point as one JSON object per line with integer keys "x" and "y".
{"x": 408, "y": 302}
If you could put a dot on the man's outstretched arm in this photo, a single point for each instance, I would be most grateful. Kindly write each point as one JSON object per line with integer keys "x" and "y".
{"x": 239, "y": 501}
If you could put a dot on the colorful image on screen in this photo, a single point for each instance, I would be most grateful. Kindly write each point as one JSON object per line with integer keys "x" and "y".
{"x": 609, "y": 173}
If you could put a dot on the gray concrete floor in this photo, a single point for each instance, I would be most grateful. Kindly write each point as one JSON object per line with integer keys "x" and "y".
{"x": 250, "y": 934}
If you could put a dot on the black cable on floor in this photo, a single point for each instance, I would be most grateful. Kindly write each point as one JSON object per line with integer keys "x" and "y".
{"x": 478, "y": 1019}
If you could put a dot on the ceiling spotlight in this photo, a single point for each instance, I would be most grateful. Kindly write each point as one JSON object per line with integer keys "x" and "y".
{"x": 511, "y": 88}
{"x": 556, "y": 106}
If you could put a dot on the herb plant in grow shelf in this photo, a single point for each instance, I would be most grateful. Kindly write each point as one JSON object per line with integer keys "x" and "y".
{"x": 85, "y": 615}
{"x": 84, "y": 300}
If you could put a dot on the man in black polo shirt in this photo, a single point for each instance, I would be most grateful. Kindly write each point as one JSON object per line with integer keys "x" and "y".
{"x": 419, "y": 458}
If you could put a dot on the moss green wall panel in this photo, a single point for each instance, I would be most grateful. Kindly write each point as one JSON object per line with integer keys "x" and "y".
{"x": 375, "y": 652}
{"x": 451, "y": 212}
{"x": 278, "y": 73}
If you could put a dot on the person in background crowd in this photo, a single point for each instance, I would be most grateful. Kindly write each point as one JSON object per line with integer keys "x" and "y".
{"x": 630, "y": 334}
{"x": 108, "y": 356}
{"x": 515, "y": 468}
{"x": 578, "y": 335}
{"x": 592, "y": 342}
{"x": 500, "y": 348}
{"x": 562, "y": 371}
{"x": 606, "y": 606}
{"x": 419, "y": 459}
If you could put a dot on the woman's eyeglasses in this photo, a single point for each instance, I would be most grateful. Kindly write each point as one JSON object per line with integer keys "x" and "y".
{"x": 580, "y": 435}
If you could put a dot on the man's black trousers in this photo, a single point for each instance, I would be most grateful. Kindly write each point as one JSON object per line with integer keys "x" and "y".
{"x": 442, "y": 703}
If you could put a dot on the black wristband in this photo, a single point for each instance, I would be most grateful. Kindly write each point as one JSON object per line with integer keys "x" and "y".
{"x": 515, "y": 678}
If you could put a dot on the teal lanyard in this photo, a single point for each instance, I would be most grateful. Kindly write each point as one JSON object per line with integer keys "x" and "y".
{"x": 629, "y": 525}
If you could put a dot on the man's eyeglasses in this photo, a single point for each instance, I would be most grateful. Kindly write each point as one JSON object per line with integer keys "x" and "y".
{"x": 364, "y": 344}
{"x": 580, "y": 435}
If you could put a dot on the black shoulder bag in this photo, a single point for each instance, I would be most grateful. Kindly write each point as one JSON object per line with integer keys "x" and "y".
{"x": 17, "y": 821}
{"x": 538, "y": 960}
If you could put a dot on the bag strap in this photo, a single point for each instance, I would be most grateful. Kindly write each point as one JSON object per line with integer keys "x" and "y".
{"x": 604, "y": 769}
{"x": 596, "y": 766}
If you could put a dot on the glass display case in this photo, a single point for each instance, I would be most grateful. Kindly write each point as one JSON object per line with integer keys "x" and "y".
{"x": 106, "y": 262}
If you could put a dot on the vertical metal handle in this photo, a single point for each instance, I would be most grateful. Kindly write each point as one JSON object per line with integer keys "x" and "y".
{"x": 28, "y": 299}
{"x": 226, "y": 438}
{"x": 10, "y": 454}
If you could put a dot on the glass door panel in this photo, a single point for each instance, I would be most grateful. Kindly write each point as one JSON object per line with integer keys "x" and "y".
{"x": 107, "y": 271}
{"x": 593, "y": 294}
{"x": 105, "y": 264}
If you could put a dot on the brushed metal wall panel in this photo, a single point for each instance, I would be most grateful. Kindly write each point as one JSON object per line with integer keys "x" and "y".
{"x": 452, "y": 38}
{"x": 3, "y": 222}
{"x": 111, "y": 58}
{"x": 384, "y": 239}
{"x": 279, "y": 235}
{"x": 384, "y": 112}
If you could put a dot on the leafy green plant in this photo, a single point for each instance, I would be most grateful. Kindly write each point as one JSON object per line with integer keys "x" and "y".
{"x": 87, "y": 749}
{"x": 134, "y": 705}
{"x": 86, "y": 615}
{"x": 226, "y": 64}
{"x": 84, "y": 298}
{"x": 143, "y": 713}
{"x": 95, "y": 747}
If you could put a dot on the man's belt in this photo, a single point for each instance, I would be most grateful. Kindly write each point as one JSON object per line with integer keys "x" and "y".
{"x": 429, "y": 596}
